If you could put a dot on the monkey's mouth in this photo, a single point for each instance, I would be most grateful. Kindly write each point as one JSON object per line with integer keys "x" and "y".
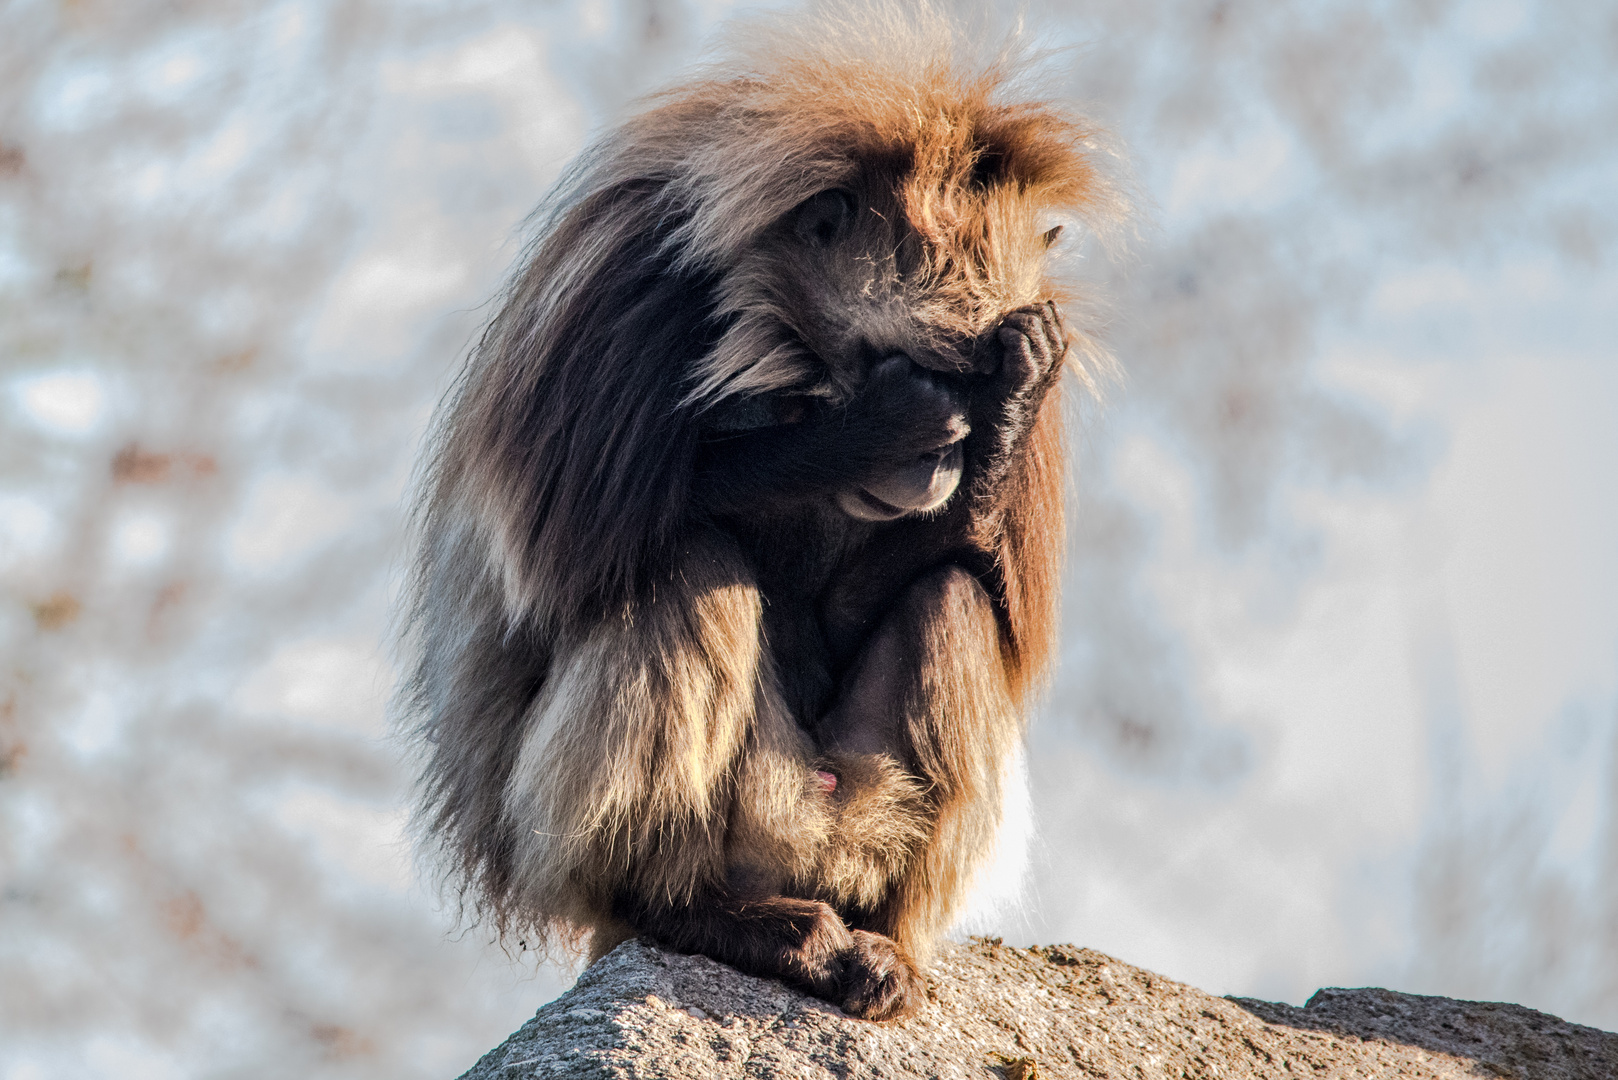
{"x": 913, "y": 489}
{"x": 868, "y": 507}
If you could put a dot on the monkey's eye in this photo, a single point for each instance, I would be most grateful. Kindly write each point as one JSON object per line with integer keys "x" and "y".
{"x": 823, "y": 218}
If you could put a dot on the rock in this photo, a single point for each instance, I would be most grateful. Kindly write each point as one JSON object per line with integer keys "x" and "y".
{"x": 1021, "y": 1014}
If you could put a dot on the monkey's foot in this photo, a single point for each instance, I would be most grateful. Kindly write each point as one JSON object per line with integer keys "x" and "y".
{"x": 803, "y": 942}
{"x": 880, "y": 982}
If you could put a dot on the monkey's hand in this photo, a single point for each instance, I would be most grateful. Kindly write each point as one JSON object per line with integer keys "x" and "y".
{"x": 868, "y": 975}
{"x": 918, "y": 424}
{"x": 904, "y": 410}
{"x": 1032, "y": 342}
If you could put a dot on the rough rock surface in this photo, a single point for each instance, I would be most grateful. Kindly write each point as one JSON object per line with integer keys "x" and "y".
{"x": 1022, "y": 1014}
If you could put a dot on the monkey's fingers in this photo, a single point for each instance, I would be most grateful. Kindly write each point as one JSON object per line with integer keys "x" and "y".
{"x": 1057, "y": 335}
{"x": 816, "y": 941}
{"x": 881, "y": 981}
{"x": 1031, "y": 340}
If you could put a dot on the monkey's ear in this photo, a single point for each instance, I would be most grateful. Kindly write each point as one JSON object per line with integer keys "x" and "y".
{"x": 1052, "y": 234}
{"x": 823, "y": 219}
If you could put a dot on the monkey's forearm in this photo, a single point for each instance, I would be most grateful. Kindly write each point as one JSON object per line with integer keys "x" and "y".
{"x": 1000, "y": 431}
{"x": 774, "y": 466}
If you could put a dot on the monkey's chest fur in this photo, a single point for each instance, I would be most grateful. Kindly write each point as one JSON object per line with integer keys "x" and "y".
{"x": 827, "y": 580}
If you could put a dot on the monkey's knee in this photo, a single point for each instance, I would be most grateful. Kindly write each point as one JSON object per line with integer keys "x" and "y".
{"x": 947, "y": 611}
{"x": 950, "y": 591}
{"x": 937, "y": 607}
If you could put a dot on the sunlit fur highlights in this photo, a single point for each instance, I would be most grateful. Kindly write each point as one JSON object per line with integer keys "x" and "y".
{"x": 685, "y": 665}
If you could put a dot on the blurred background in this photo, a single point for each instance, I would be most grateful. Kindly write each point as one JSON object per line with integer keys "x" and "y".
{"x": 1338, "y": 696}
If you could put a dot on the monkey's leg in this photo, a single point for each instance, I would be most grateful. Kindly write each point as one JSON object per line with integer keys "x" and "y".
{"x": 802, "y": 942}
{"x": 764, "y": 912}
{"x": 931, "y": 690}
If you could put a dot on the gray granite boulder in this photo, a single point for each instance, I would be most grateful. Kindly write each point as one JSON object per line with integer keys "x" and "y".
{"x": 1022, "y": 1014}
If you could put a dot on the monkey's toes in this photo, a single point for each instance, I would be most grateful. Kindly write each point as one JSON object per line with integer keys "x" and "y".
{"x": 880, "y": 981}
{"x": 815, "y": 942}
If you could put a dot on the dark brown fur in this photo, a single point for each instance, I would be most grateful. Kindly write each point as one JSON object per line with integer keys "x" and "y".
{"x": 757, "y": 478}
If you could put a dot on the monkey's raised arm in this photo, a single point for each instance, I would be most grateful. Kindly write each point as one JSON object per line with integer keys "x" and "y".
{"x": 903, "y": 416}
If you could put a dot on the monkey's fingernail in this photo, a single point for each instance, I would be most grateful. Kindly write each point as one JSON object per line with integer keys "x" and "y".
{"x": 828, "y": 781}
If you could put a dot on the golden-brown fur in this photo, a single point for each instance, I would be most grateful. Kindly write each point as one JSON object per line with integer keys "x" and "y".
{"x": 621, "y": 733}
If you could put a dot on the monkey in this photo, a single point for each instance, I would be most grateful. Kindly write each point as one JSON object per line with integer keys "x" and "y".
{"x": 740, "y": 527}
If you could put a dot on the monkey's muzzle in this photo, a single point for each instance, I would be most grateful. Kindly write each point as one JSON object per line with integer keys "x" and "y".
{"x": 913, "y": 489}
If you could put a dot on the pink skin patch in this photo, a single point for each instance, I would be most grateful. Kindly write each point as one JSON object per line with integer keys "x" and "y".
{"x": 828, "y": 781}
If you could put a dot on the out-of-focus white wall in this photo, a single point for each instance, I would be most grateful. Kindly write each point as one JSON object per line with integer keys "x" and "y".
{"x": 1338, "y": 698}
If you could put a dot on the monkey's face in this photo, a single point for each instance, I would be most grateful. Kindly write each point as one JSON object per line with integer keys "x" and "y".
{"x": 853, "y": 284}
{"x": 850, "y": 278}
{"x": 858, "y": 296}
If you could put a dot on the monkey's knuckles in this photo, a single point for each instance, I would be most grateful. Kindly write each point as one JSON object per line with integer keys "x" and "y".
{"x": 880, "y": 982}
{"x": 1033, "y": 341}
{"x": 1057, "y": 335}
{"x": 920, "y": 413}
{"x": 1019, "y": 364}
